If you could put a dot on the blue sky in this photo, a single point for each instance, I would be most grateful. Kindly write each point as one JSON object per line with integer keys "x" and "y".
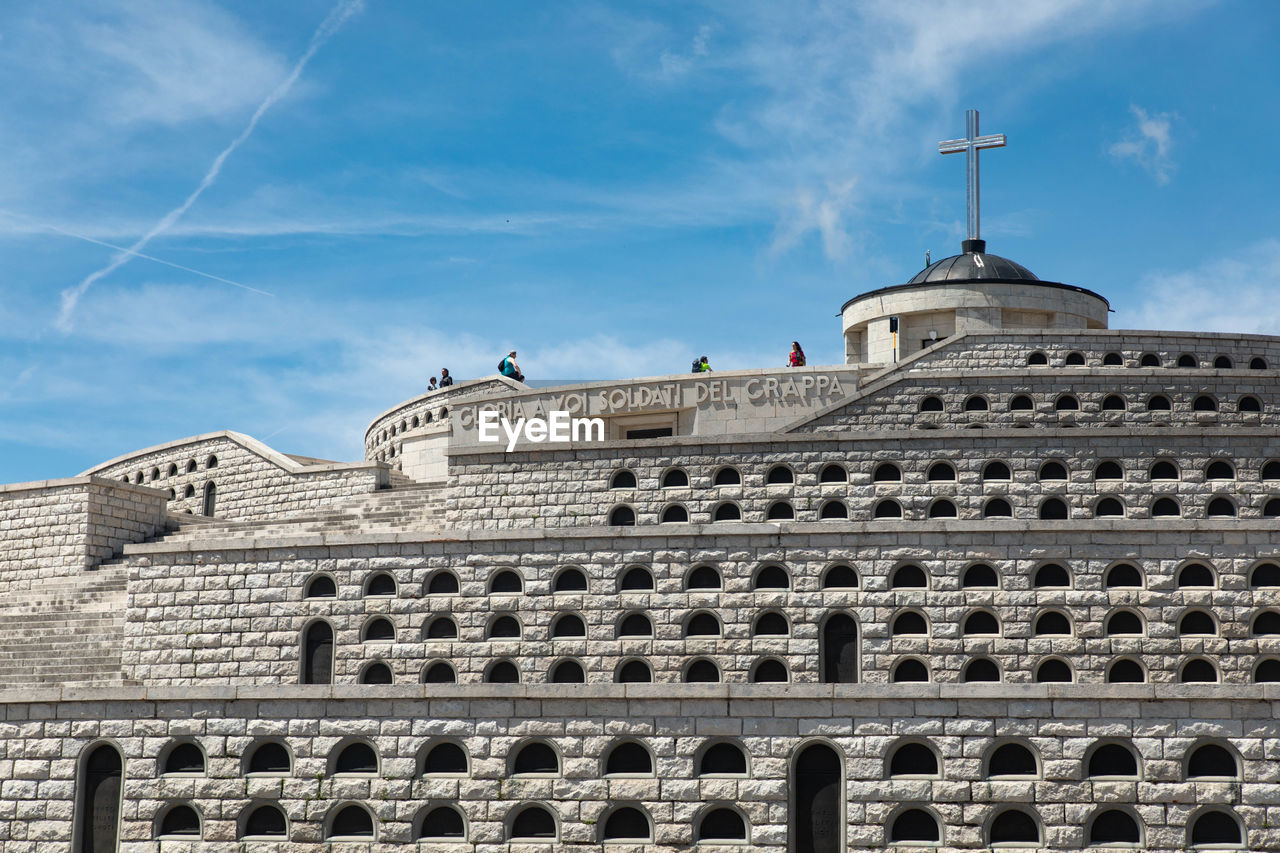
{"x": 610, "y": 188}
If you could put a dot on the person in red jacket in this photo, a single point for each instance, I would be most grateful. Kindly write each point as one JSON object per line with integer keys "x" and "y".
{"x": 797, "y": 355}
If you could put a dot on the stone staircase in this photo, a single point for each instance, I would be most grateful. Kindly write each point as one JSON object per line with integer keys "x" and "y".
{"x": 65, "y": 631}
{"x": 407, "y": 506}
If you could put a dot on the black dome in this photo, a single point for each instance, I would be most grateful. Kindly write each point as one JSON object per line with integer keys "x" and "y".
{"x": 973, "y": 265}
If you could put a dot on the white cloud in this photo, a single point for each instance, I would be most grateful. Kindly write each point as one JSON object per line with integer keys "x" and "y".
{"x": 1149, "y": 144}
{"x": 1224, "y": 295}
{"x": 823, "y": 214}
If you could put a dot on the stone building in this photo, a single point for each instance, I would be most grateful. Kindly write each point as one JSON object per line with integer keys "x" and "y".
{"x": 1007, "y": 578}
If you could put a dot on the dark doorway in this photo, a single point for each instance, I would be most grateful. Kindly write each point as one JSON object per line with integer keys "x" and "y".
{"x": 210, "y": 498}
{"x": 317, "y": 654}
{"x": 100, "y": 801}
{"x": 840, "y": 650}
{"x": 815, "y": 817}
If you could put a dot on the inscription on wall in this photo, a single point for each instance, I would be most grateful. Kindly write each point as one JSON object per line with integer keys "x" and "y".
{"x": 801, "y": 391}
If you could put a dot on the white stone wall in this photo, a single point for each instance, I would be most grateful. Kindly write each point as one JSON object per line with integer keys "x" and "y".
{"x": 237, "y": 617}
{"x": 42, "y": 741}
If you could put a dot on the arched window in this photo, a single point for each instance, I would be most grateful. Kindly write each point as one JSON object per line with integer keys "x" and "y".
{"x": 840, "y": 577}
{"x": 772, "y": 577}
{"x": 376, "y": 673}
{"x": 1271, "y": 509}
{"x": 702, "y": 624}
{"x": 1212, "y": 761}
{"x": 1197, "y": 623}
{"x": 703, "y": 577}
{"x": 997, "y": 508}
{"x": 1122, "y": 575}
{"x": 1051, "y": 575}
{"x": 722, "y": 758}
{"x": 628, "y": 759}
{"x": 1159, "y": 403}
{"x": 1149, "y": 359}
{"x": 1113, "y": 827}
{"x": 505, "y": 627}
{"x": 568, "y": 625}
{"x": 1123, "y": 622}
{"x": 1053, "y": 509}
{"x": 1021, "y": 403}
{"x": 209, "y": 503}
{"x": 179, "y": 821}
{"x": 1187, "y": 360}
{"x": 321, "y": 586}
{"x": 979, "y": 575}
{"x": 910, "y": 670}
{"x": 727, "y": 511}
{"x": 623, "y": 480}
{"x": 908, "y": 577}
{"x": 996, "y": 470}
{"x": 533, "y": 823}
{"x": 887, "y": 509}
{"x": 622, "y": 516}
{"x": 722, "y": 824}
{"x": 535, "y": 758}
{"x": 502, "y": 672}
{"x": 1108, "y": 470}
{"x": 942, "y": 508}
{"x": 1197, "y": 671}
{"x": 505, "y": 582}
{"x": 675, "y": 478}
{"x": 1258, "y": 364}
{"x": 1012, "y": 760}
{"x": 914, "y": 826}
{"x": 317, "y": 654}
{"x": 976, "y": 403}
{"x": 570, "y": 580}
{"x": 99, "y": 799}
{"x": 980, "y": 669}
{"x": 264, "y": 821}
{"x": 354, "y": 758}
{"x": 635, "y": 625}
{"x": 1164, "y": 469}
{"x": 1165, "y": 508}
{"x": 1216, "y": 828}
{"x": 769, "y": 671}
{"x": 1126, "y": 671}
{"x": 1015, "y": 828}
{"x": 940, "y": 471}
{"x": 1112, "y": 761}
{"x": 779, "y": 475}
{"x": 1265, "y": 575}
{"x": 443, "y": 823}
{"x": 1074, "y": 359}
{"x": 637, "y": 578}
{"x": 931, "y": 404}
{"x": 834, "y": 510}
{"x": 727, "y": 476}
{"x": 912, "y": 759}
{"x": 184, "y": 758}
{"x": 1053, "y": 470}
{"x": 568, "y": 672}
{"x": 380, "y": 583}
{"x": 909, "y": 623}
{"x": 886, "y": 472}
{"x": 1052, "y": 623}
{"x": 702, "y": 671}
{"x": 1195, "y": 574}
{"x": 269, "y": 758}
{"x": 780, "y": 511}
{"x": 981, "y": 623}
{"x": 627, "y": 823}
{"x": 1219, "y": 469}
{"x": 1223, "y": 362}
{"x": 445, "y": 759}
{"x": 351, "y": 821}
{"x": 1037, "y": 359}
{"x": 833, "y": 474}
{"x": 379, "y": 630}
{"x": 1204, "y": 403}
{"x": 1053, "y": 671}
{"x": 1109, "y": 508}
{"x": 1249, "y": 403}
{"x": 442, "y": 628}
{"x": 1113, "y": 403}
{"x": 1221, "y": 508}
{"x": 443, "y": 582}
{"x": 1266, "y": 624}
{"x": 634, "y": 672}
{"x": 1067, "y": 403}
{"x": 1113, "y": 359}
{"x": 439, "y": 673}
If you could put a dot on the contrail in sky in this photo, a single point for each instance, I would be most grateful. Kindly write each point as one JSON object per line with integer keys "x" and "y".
{"x": 331, "y": 24}
{"x": 132, "y": 253}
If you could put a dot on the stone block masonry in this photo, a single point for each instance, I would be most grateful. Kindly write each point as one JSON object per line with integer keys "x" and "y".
{"x": 1138, "y": 750}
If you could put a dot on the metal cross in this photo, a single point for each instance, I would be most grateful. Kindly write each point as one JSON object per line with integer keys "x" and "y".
{"x": 971, "y": 145}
